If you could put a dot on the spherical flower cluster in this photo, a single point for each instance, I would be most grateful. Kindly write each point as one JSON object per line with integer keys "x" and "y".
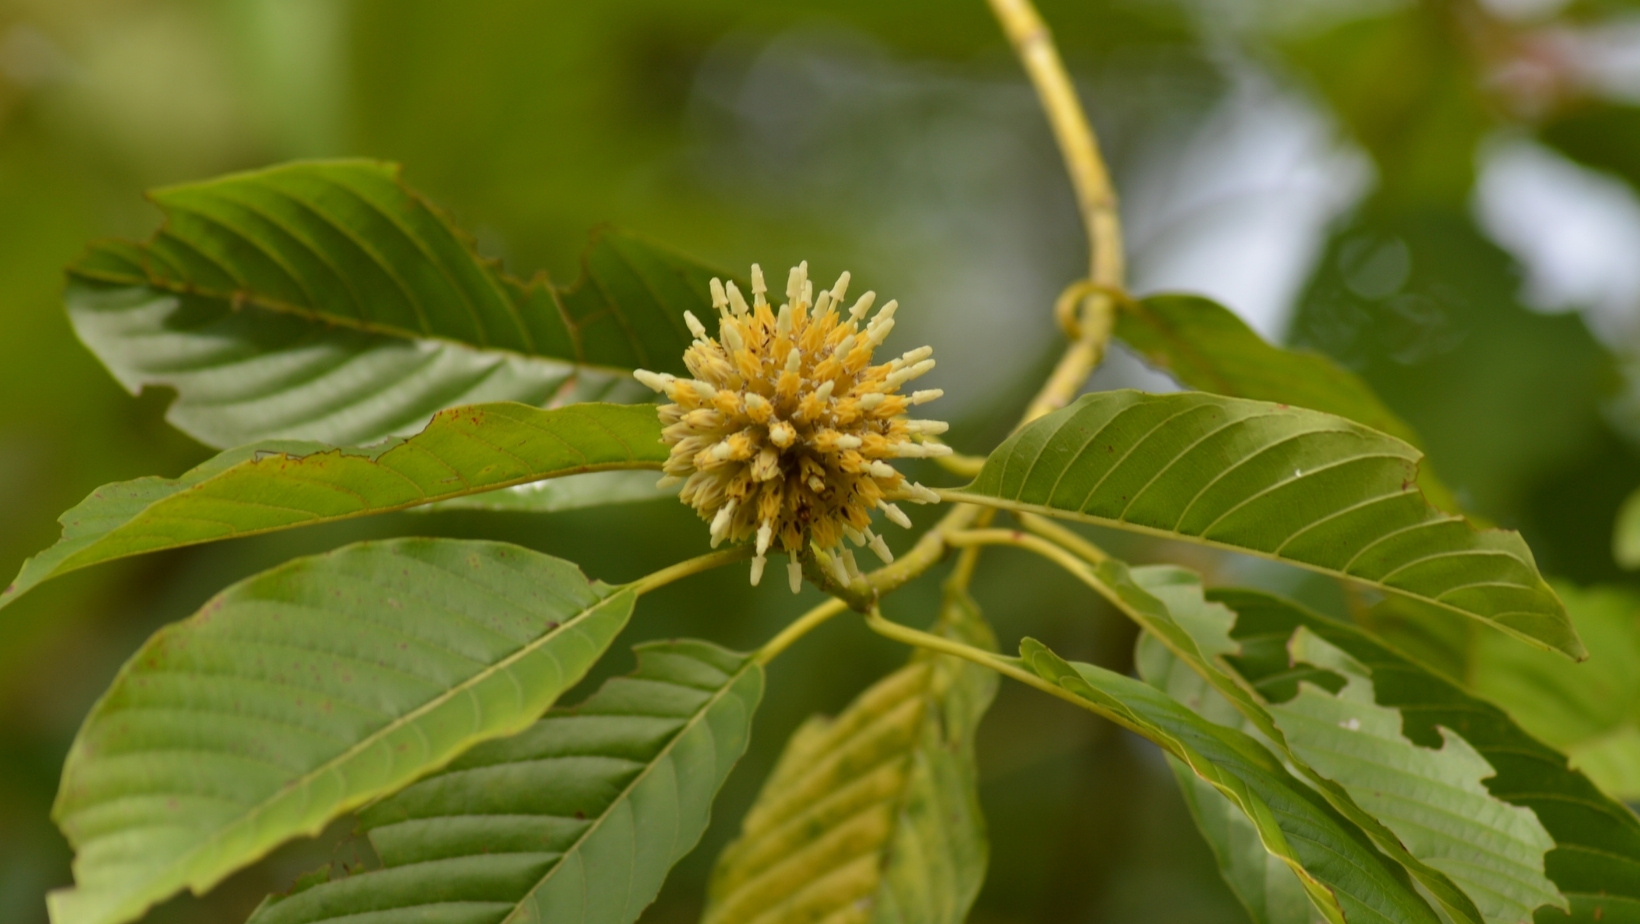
{"x": 785, "y": 433}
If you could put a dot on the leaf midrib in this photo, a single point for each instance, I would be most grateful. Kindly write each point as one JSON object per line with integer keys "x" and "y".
{"x": 68, "y": 563}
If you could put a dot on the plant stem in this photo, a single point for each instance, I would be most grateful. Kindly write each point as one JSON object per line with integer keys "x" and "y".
{"x": 1047, "y": 528}
{"x": 930, "y": 548}
{"x": 1034, "y": 45}
{"x": 1058, "y": 555}
{"x": 798, "y": 628}
{"x": 1008, "y": 667}
{"x": 1018, "y": 539}
{"x": 958, "y": 464}
{"x": 690, "y": 566}
{"x": 1094, "y": 196}
{"x": 1097, "y": 202}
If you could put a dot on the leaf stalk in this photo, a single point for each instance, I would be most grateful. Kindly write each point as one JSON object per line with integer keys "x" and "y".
{"x": 798, "y": 628}
{"x": 690, "y": 566}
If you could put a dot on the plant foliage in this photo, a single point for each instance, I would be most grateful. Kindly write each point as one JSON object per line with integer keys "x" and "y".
{"x": 350, "y": 353}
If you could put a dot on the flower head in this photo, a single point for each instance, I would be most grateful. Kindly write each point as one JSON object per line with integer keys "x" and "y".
{"x": 785, "y": 434}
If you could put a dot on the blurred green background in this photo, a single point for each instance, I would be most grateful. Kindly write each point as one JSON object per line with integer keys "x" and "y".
{"x": 1441, "y": 195}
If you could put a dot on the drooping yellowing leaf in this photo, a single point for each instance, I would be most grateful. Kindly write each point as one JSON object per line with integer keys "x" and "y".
{"x": 873, "y": 815}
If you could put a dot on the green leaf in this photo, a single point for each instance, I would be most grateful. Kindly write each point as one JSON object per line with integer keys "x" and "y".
{"x": 1205, "y": 346}
{"x": 306, "y": 691}
{"x": 1266, "y": 886}
{"x": 1168, "y": 602}
{"x": 1626, "y": 534}
{"x": 575, "y": 492}
{"x": 280, "y": 485}
{"x": 579, "y": 818}
{"x": 1601, "y": 136}
{"x": 1596, "y": 860}
{"x": 1284, "y": 483}
{"x": 1590, "y": 711}
{"x": 324, "y": 300}
{"x": 1431, "y": 797}
{"x": 873, "y": 815}
{"x": 1345, "y": 878}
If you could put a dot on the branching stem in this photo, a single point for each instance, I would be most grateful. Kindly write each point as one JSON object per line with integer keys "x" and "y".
{"x": 1064, "y": 558}
{"x": 1048, "y": 529}
{"x": 1095, "y": 296}
{"x": 1008, "y": 667}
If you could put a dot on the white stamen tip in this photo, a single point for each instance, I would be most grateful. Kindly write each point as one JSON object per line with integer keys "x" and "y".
{"x": 706, "y": 392}
{"x": 896, "y": 514}
{"x": 862, "y": 306}
{"x": 920, "y": 494}
{"x": 721, "y": 451}
{"x": 824, "y": 391}
{"x": 755, "y": 401}
{"x": 783, "y": 322}
{"x": 782, "y": 434}
{"x": 854, "y": 535}
{"x": 840, "y": 287}
{"x": 870, "y": 401}
{"x": 757, "y": 569}
{"x": 807, "y": 295}
{"x": 668, "y": 481}
{"x": 881, "y": 469}
{"x": 845, "y": 345}
{"x": 731, "y": 336}
{"x": 905, "y": 375}
{"x": 794, "y": 361}
{"x": 849, "y": 564}
{"x": 920, "y": 450}
{"x": 931, "y": 427}
{"x": 848, "y": 442}
{"x": 880, "y": 549}
{"x": 737, "y": 302}
{"x": 877, "y": 331}
{"x": 720, "y": 522}
{"x": 838, "y": 570}
{"x": 920, "y": 353}
{"x": 794, "y": 575}
{"x": 720, "y": 299}
{"x": 926, "y": 395}
{"x": 695, "y": 327}
{"x": 765, "y": 534}
{"x": 655, "y": 381}
{"x": 758, "y": 288}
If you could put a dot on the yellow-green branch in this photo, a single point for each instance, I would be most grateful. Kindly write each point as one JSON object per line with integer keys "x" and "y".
{"x": 689, "y": 567}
